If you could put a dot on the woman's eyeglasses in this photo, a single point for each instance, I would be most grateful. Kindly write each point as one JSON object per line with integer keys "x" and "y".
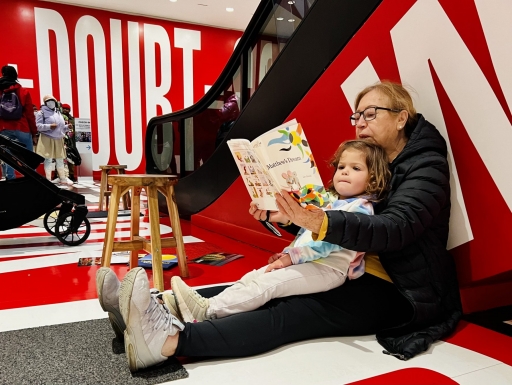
{"x": 368, "y": 114}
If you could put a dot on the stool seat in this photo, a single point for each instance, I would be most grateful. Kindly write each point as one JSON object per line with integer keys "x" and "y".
{"x": 105, "y": 192}
{"x": 114, "y": 167}
{"x": 153, "y": 184}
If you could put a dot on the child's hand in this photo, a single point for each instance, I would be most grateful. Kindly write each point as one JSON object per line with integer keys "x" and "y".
{"x": 261, "y": 215}
{"x": 281, "y": 263}
{"x": 275, "y": 257}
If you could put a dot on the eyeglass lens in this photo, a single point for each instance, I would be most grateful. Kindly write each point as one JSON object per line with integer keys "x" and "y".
{"x": 369, "y": 113}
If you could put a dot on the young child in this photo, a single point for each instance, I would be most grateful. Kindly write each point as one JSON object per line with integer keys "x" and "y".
{"x": 306, "y": 266}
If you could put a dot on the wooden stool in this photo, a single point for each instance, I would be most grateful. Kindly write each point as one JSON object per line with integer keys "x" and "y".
{"x": 152, "y": 183}
{"x": 105, "y": 191}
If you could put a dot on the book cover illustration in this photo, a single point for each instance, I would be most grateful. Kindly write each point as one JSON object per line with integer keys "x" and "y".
{"x": 118, "y": 257}
{"x": 89, "y": 261}
{"x": 168, "y": 261}
{"x": 257, "y": 181}
{"x": 280, "y": 159}
{"x": 216, "y": 259}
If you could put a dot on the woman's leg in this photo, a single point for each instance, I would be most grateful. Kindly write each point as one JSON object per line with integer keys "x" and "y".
{"x": 359, "y": 307}
{"x": 48, "y": 168}
{"x": 23, "y": 137}
{"x": 59, "y": 163}
{"x": 257, "y": 288}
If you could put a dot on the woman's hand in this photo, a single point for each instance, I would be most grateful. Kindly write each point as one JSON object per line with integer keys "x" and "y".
{"x": 309, "y": 219}
{"x": 53, "y": 126}
{"x": 261, "y": 215}
{"x": 284, "y": 261}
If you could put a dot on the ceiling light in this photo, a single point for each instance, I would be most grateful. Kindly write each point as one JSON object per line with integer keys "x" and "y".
{"x": 291, "y": 20}
{"x": 230, "y": 9}
{"x": 291, "y": 2}
{"x": 279, "y": 18}
{"x": 173, "y": 1}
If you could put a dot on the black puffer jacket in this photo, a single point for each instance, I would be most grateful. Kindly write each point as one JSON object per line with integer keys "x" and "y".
{"x": 410, "y": 234}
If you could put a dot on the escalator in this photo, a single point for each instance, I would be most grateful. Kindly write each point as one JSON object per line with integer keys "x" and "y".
{"x": 253, "y": 93}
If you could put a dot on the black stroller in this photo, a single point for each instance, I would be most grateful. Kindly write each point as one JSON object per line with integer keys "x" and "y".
{"x": 25, "y": 199}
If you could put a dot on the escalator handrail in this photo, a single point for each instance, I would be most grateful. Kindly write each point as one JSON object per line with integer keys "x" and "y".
{"x": 248, "y": 38}
{"x": 319, "y": 38}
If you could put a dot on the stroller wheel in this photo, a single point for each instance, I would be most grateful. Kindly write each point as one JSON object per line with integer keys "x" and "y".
{"x": 69, "y": 233}
{"x": 50, "y": 220}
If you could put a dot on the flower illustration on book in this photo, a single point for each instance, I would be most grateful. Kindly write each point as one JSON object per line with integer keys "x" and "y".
{"x": 311, "y": 160}
{"x": 311, "y": 196}
{"x": 290, "y": 138}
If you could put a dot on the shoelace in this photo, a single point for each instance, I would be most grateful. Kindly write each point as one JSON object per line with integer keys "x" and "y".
{"x": 161, "y": 316}
{"x": 199, "y": 298}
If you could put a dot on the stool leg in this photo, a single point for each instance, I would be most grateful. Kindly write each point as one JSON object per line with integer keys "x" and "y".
{"x": 156, "y": 244}
{"x": 135, "y": 224}
{"x": 126, "y": 201}
{"x": 103, "y": 183}
{"x": 176, "y": 231}
{"x": 108, "y": 243}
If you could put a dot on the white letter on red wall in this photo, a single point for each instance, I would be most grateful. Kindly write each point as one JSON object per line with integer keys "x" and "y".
{"x": 155, "y": 94}
{"x": 133, "y": 159}
{"x": 88, "y": 25}
{"x": 188, "y": 40}
{"x": 465, "y": 84}
{"x": 49, "y": 20}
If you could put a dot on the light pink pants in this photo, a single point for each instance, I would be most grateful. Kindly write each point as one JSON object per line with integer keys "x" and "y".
{"x": 257, "y": 287}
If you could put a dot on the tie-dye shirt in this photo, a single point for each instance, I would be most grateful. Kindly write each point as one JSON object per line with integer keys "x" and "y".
{"x": 304, "y": 249}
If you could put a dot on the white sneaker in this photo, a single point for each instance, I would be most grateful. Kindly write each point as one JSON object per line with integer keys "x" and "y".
{"x": 107, "y": 287}
{"x": 66, "y": 182}
{"x": 191, "y": 304}
{"x": 148, "y": 323}
{"x": 170, "y": 301}
{"x": 56, "y": 181}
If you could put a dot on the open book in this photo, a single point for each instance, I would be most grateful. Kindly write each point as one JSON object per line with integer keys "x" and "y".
{"x": 279, "y": 159}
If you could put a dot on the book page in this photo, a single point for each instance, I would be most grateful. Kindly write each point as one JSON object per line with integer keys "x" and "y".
{"x": 256, "y": 179}
{"x": 287, "y": 157}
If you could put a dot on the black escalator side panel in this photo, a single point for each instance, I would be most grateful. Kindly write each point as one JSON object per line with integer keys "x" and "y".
{"x": 320, "y": 37}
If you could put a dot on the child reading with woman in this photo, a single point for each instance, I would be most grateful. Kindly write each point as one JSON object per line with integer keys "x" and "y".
{"x": 306, "y": 266}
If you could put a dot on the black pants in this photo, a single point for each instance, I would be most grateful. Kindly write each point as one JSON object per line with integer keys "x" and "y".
{"x": 359, "y": 307}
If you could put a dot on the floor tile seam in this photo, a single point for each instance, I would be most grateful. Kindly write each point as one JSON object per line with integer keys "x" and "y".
{"x": 499, "y": 363}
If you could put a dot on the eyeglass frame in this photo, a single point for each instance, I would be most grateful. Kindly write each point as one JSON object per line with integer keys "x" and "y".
{"x": 362, "y": 114}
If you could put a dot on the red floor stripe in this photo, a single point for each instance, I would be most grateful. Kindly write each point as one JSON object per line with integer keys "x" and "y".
{"x": 410, "y": 376}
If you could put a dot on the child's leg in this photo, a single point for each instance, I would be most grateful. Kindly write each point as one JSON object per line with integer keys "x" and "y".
{"x": 194, "y": 307}
{"x": 250, "y": 294}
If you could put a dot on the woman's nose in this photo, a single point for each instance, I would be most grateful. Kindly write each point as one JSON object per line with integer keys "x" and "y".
{"x": 360, "y": 123}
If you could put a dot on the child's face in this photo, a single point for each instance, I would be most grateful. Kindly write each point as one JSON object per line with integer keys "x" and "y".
{"x": 351, "y": 177}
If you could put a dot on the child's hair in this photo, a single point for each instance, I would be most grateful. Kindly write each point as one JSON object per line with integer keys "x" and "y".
{"x": 377, "y": 163}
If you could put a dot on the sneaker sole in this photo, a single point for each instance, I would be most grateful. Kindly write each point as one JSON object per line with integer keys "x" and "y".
{"x": 114, "y": 316}
{"x": 132, "y": 353}
{"x": 125, "y": 297}
{"x": 185, "y": 312}
{"x": 172, "y": 304}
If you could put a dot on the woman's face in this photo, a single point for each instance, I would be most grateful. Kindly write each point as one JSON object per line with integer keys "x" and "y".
{"x": 386, "y": 129}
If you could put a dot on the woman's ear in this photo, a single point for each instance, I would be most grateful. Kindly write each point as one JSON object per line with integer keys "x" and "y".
{"x": 402, "y": 119}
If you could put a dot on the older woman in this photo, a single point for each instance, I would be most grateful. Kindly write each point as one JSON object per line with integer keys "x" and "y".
{"x": 408, "y": 297}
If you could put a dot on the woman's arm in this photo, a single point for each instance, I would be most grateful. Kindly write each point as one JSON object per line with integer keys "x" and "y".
{"x": 418, "y": 194}
{"x": 42, "y": 127}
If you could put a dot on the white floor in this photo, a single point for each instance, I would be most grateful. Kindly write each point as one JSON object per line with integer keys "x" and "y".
{"x": 324, "y": 361}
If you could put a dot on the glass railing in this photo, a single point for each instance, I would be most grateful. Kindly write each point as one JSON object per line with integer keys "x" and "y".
{"x": 180, "y": 142}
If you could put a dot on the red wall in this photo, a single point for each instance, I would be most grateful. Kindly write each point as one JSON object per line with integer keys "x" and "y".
{"x": 119, "y": 70}
{"x": 451, "y": 54}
